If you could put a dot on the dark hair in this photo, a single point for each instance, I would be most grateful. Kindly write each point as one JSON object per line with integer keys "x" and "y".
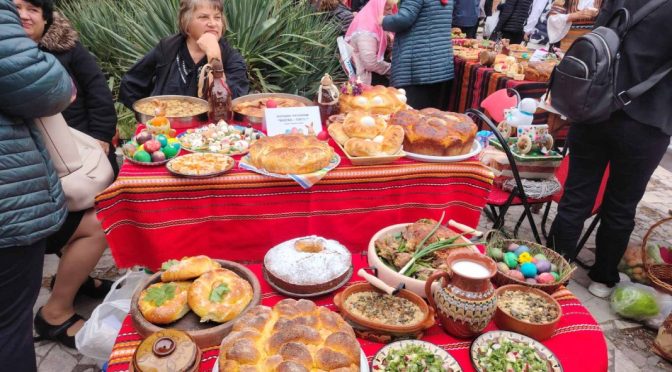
{"x": 47, "y": 7}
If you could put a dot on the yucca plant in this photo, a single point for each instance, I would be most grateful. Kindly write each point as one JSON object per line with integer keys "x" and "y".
{"x": 287, "y": 46}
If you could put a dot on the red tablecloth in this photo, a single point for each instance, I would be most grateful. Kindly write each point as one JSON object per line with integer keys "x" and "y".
{"x": 150, "y": 216}
{"x": 578, "y": 341}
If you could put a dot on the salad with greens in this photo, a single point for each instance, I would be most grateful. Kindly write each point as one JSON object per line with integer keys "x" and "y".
{"x": 412, "y": 358}
{"x": 510, "y": 356}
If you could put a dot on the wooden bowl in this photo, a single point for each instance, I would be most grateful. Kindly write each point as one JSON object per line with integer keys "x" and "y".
{"x": 390, "y": 276}
{"x": 538, "y": 331}
{"x": 379, "y": 331}
{"x": 204, "y": 334}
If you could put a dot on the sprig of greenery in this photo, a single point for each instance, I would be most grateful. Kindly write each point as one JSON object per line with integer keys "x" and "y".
{"x": 218, "y": 293}
{"x": 160, "y": 294}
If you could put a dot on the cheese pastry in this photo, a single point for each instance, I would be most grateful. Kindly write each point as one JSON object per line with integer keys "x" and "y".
{"x": 219, "y": 295}
{"x": 187, "y": 268}
{"x": 164, "y": 303}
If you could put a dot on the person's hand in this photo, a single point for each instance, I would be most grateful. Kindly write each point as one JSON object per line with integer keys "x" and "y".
{"x": 210, "y": 45}
{"x": 105, "y": 146}
{"x": 526, "y": 37}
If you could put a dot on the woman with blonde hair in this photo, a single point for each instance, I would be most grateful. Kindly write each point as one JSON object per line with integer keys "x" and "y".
{"x": 369, "y": 42}
{"x": 173, "y": 66}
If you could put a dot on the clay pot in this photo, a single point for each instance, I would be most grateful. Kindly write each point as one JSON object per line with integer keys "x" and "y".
{"x": 465, "y": 302}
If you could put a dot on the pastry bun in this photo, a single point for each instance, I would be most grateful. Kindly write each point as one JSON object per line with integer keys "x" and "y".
{"x": 359, "y": 124}
{"x": 164, "y": 308}
{"x": 290, "y": 154}
{"x": 292, "y": 336}
{"x": 234, "y": 294}
{"x": 375, "y": 100}
{"x": 436, "y": 133}
{"x": 387, "y": 144}
{"x": 188, "y": 268}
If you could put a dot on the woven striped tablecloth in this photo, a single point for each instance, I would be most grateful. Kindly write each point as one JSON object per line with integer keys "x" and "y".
{"x": 150, "y": 216}
{"x": 578, "y": 341}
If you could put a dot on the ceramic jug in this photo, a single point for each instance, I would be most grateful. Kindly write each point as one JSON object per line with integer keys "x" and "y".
{"x": 465, "y": 302}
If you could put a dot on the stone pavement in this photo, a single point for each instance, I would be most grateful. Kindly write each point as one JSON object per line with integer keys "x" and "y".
{"x": 629, "y": 343}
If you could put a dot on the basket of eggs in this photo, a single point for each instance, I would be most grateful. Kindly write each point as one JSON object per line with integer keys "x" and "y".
{"x": 526, "y": 263}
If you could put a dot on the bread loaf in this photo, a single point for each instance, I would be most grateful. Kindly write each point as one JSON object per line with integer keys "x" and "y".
{"x": 219, "y": 295}
{"x": 293, "y": 336}
{"x": 375, "y": 100}
{"x": 164, "y": 303}
{"x": 436, "y": 133}
{"x": 290, "y": 154}
{"x": 359, "y": 124}
{"x": 187, "y": 268}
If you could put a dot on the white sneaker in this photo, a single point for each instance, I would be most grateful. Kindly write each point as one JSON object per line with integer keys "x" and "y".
{"x": 600, "y": 290}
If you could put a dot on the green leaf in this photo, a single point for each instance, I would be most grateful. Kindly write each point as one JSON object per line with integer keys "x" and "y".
{"x": 168, "y": 264}
{"x": 218, "y": 293}
{"x": 160, "y": 294}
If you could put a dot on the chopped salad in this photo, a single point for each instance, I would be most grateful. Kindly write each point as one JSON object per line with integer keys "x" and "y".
{"x": 504, "y": 354}
{"x": 412, "y": 358}
{"x": 220, "y": 138}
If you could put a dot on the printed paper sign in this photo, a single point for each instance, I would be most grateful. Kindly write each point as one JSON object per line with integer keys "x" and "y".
{"x": 292, "y": 119}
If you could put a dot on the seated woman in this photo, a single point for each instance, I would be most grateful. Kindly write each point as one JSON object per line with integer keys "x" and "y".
{"x": 173, "y": 66}
{"x": 81, "y": 238}
{"x": 369, "y": 42}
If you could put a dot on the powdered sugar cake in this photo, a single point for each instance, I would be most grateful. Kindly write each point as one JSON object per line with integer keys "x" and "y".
{"x": 308, "y": 266}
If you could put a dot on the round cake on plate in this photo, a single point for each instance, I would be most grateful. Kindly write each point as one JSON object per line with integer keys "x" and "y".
{"x": 308, "y": 266}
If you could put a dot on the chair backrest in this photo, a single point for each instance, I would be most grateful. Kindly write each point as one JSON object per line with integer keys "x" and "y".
{"x": 495, "y": 104}
{"x": 561, "y": 174}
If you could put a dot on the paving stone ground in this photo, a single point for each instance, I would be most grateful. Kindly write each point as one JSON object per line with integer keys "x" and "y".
{"x": 629, "y": 343}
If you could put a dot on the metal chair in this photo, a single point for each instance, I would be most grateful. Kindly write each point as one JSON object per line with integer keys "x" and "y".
{"x": 499, "y": 200}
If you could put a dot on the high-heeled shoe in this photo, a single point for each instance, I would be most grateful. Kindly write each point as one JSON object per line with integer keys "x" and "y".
{"x": 58, "y": 333}
{"x": 89, "y": 287}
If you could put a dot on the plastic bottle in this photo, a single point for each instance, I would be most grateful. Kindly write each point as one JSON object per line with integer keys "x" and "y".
{"x": 219, "y": 96}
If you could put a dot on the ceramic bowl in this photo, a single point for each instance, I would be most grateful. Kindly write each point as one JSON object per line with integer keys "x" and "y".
{"x": 538, "y": 331}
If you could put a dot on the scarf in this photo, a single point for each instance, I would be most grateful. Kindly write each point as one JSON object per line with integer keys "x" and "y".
{"x": 367, "y": 21}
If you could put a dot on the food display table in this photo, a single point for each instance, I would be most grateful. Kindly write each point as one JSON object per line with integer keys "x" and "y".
{"x": 578, "y": 341}
{"x": 474, "y": 82}
{"x": 150, "y": 216}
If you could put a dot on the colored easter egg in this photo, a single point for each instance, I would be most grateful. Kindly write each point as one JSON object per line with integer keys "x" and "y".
{"x": 531, "y": 280}
{"x": 555, "y": 275}
{"x": 152, "y": 146}
{"x": 158, "y": 156}
{"x": 496, "y": 254}
{"x": 528, "y": 269}
{"x": 554, "y": 267}
{"x": 515, "y": 274}
{"x": 170, "y": 151}
{"x": 540, "y": 256}
{"x": 130, "y": 148}
{"x": 521, "y": 249}
{"x": 543, "y": 266}
{"x": 502, "y": 267}
{"x": 142, "y": 156}
{"x": 511, "y": 260}
{"x": 512, "y": 247}
{"x": 163, "y": 140}
{"x": 545, "y": 278}
{"x": 524, "y": 257}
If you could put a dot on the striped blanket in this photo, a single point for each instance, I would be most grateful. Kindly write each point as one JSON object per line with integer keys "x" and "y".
{"x": 150, "y": 216}
{"x": 578, "y": 341}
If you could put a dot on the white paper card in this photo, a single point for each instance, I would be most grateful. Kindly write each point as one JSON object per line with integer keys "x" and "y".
{"x": 538, "y": 55}
{"x": 287, "y": 119}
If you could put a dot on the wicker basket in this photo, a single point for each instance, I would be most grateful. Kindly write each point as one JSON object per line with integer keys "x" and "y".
{"x": 563, "y": 266}
{"x": 659, "y": 274}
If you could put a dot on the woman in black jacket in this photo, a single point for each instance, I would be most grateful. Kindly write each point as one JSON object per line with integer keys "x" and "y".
{"x": 173, "y": 66}
{"x": 512, "y": 17}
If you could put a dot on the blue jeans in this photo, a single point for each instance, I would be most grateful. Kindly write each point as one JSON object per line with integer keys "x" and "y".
{"x": 20, "y": 281}
{"x": 633, "y": 151}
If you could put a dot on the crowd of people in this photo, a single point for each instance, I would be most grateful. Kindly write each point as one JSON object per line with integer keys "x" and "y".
{"x": 45, "y": 70}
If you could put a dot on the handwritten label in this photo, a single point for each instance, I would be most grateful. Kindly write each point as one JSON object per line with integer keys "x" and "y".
{"x": 292, "y": 119}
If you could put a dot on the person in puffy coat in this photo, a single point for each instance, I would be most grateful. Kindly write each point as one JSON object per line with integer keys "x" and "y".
{"x": 32, "y": 205}
{"x": 512, "y": 17}
{"x": 465, "y": 16}
{"x": 422, "y": 55}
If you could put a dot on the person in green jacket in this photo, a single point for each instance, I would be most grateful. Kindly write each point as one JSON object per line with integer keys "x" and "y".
{"x": 32, "y": 205}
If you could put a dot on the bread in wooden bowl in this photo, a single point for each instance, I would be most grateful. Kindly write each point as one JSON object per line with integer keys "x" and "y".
{"x": 436, "y": 133}
{"x": 290, "y": 154}
{"x": 187, "y": 268}
{"x": 360, "y": 124}
{"x": 164, "y": 303}
{"x": 291, "y": 336}
{"x": 219, "y": 295}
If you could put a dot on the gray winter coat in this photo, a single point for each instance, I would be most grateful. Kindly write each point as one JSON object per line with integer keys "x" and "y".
{"x": 423, "y": 49}
{"x": 32, "y": 84}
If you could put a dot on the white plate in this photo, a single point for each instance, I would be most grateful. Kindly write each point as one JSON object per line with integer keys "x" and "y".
{"x": 363, "y": 363}
{"x": 244, "y": 163}
{"x": 493, "y": 336}
{"x": 449, "y": 363}
{"x": 475, "y": 150}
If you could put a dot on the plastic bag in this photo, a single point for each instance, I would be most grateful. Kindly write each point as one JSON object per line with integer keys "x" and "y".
{"x": 490, "y": 24}
{"x": 96, "y": 338}
{"x": 635, "y": 301}
{"x": 665, "y": 305}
